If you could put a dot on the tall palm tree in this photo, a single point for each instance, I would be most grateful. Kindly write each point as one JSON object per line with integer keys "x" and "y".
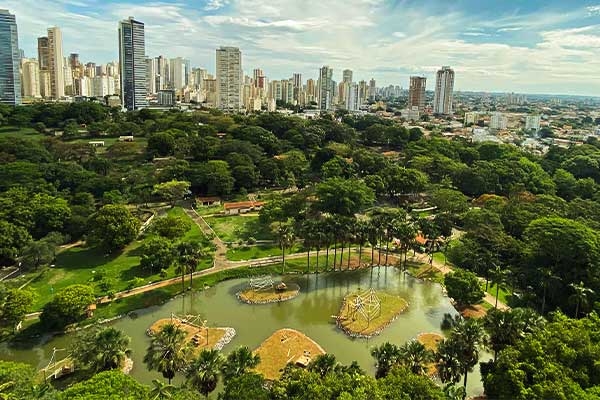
{"x": 319, "y": 235}
{"x": 161, "y": 390}
{"x": 372, "y": 236}
{"x": 323, "y": 364}
{"x": 351, "y": 240}
{"x": 102, "y": 349}
{"x": 498, "y": 276}
{"x": 203, "y": 372}
{"x": 469, "y": 337}
{"x": 448, "y": 362}
{"x": 285, "y": 237}
{"x": 238, "y": 362}
{"x": 168, "y": 351}
{"x": 189, "y": 255}
{"x": 415, "y": 357}
{"x": 361, "y": 232}
{"x": 580, "y": 296}
{"x": 503, "y": 329}
{"x": 406, "y": 232}
{"x": 307, "y": 230}
{"x": 547, "y": 275}
{"x": 386, "y": 356}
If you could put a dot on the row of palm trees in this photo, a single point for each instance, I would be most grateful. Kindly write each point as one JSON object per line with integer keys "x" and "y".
{"x": 336, "y": 233}
{"x": 458, "y": 354}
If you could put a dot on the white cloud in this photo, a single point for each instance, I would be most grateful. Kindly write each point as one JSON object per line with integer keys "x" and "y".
{"x": 593, "y": 10}
{"x": 212, "y": 5}
{"x": 511, "y": 29}
{"x": 399, "y": 34}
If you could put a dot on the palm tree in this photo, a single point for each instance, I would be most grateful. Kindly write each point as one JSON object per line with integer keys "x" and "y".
{"x": 415, "y": 357}
{"x": 406, "y": 232}
{"x": 203, "y": 372}
{"x": 101, "y": 349}
{"x": 319, "y": 235}
{"x": 323, "y": 364}
{"x": 189, "y": 255}
{"x": 498, "y": 277}
{"x": 168, "y": 351}
{"x": 547, "y": 277}
{"x": 307, "y": 230}
{"x": 351, "y": 239}
{"x": 448, "y": 364}
{"x": 386, "y": 357}
{"x": 503, "y": 329}
{"x": 285, "y": 237}
{"x": 469, "y": 337}
{"x": 372, "y": 236}
{"x": 161, "y": 390}
{"x": 361, "y": 233}
{"x": 238, "y": 362}
{"x": 580, "y": 295}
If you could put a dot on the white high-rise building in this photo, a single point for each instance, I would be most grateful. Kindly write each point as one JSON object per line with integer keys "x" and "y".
{"x": 103, "y": 86}
{"x": 68, "y": 78}
{"x": 498, "y": 121}
{"x": 353, "y": 99}
{"x": 325, "y": 90}
{"x": 56, "y": 63}
{"x": 179, "y": 68}
{"x": 229, "y": 78}
{"x": 444, "y": 86}
{"x": 532, "y": 123}
{"x": 85, "y": 86}
{"x": 151, "y": 67}
{"x": 471, "y": 117}
{"x": 132, "y": 60}
{"x": 31, "y": 78}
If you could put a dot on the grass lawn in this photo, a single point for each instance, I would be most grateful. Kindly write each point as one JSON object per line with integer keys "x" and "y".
{"x": 236, "y": 227}
{"x": 28, "y": 133}
{"x": 269, "y": 295}
{"x": 209, "y": 210}
{"x": 195, "y": 233}
{"x": 353, "y": 323}
{"x": 425, "y": 272}
{"x": 439, "y": 257}
{"x": 503, "y": 293}
{"x": 260, "y": 251}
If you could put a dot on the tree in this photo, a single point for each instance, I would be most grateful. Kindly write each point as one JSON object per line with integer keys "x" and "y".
{"x": 158, "y": 253}
{"x": 203, "y": 372}
{"x": 37, "y": 253}
{"x": 504, "y": 328}
{"x": 101, "y": 349}
{"x": 16, "y": 380}
{"x": 168, "y": 351}
{"x": 386, "y": 356}
{"x": 172, "y": 191}
{"x": 285, "y": 238}
{"x": 239, "y": 362}
{"x": 580, "y": 295}
{"x": 498, "y": 277}
{"x": 189, "y": 255}
{"x": 400, "y": 383}
{"x": 13, "y": 238}
{"x": 107, "y": 385}
{"x": 343, "y": 197}
{"x": 414, "y": 356}
{"x": 160, "y": 390}
{"x": 463, "y": 287}
{"x": 113, "y": 227}
{"x": 16, "y": 303}
{"x": 171, "y": 227}
{"x": 68, "y": 305}
{"x": 323, "y": 364}
{"x": 161, "y": 144}
{"x": 448, "y": 200}
{"x": 468, "y": 337}
{"x": 246, "y": 386}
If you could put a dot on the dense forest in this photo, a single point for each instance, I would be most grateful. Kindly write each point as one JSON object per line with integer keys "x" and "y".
{"x": 529, "y": 223}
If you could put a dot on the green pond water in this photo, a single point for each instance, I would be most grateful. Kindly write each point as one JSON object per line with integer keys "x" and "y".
{"x": 310, "y": 312}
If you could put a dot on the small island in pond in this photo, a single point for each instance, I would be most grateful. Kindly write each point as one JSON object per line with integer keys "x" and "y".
{"x": 263, "y": 290}
{"x": 365, "y": 314}
{"x": 283, "y": 347}
{"x": 200, "y": 336}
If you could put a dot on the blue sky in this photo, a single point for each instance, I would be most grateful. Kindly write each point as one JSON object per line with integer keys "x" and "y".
{"x": 528, "y": 46}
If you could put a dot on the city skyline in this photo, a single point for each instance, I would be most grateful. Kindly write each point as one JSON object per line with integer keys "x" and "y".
{"x": 532, "y": 47}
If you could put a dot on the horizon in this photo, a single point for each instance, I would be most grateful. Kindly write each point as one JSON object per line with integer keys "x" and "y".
{"x": 534, "y": 47}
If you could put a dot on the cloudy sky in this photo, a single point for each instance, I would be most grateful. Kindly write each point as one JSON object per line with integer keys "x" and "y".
{"x": 527, "y": 46}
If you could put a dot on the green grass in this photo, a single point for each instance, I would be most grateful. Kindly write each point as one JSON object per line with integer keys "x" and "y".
{"x": 209, "y": 210}
{"x": 195, "y": 233}
{"x": 233, "y": 228}
{"x": 439, "y": 257}
{"x": 260, "y": 251}
{"x": 29, "y": 133}
{"x": 426, "y": 272}
{"x": 82, "y": 265}
{"x": 503, "y": 293}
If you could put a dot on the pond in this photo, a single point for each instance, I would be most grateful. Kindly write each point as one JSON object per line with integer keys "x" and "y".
{"x": 311, "y": 313}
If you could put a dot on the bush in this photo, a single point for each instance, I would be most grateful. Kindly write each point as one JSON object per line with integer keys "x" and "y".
{"x": 463, "y": 287}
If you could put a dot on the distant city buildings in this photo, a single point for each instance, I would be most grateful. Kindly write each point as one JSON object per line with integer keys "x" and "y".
{"x": 498, "y": 121}
{"x": 325, "y": 89}
{"x": 229, "y": 78}
{"x": 10, "y": 59}
{"x": 132, "y": 60}
{"x": 416, "y": 92}
{"x": 532, "y": 123}
{"x": 444, "y": 86}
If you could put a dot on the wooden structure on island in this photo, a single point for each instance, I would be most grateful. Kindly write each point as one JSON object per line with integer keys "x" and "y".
{"x": 367, "y": 305}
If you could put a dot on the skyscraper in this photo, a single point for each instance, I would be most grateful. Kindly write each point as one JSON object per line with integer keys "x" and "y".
{"x": 444, "y": 85}
{"x": 43, "y": 53}
{"x": 179, "y": 68}
{"x": 56, "y": 63}
{"x": 229, "y": 78}
{"x": 325, "y": 90}
{"x": 10, "y": 58}
{"x": 416, "y": 92}
{"x": 347, "y": 76}
{"x": 372, "y": 89}
{"x": 151, "y": 65}
{"x": 31, "y": 78}
{"x": 132, "y": 61}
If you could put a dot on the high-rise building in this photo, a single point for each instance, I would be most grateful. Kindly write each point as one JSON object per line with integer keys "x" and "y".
{"x": 56, "y": 63}
{"x": 151, "y": 75}
{"x": 353, "y": 100}
{"x": 179, "y": 68}
{"x": 363, "y": 89}
{"x": 498, "y": 121}
{"x": 162, "y": 73}
{"x": 30, "y": 78}
{"x": 310, "y": 90}
{"x": 416, "y": 92}
{"x": 103, "y": 86}
{"x": 45, "y": 84}
{"x": 372, "y": 89}
{"x": 132, "y": 60}
{"x": 257, "y": 73}
{"x": 74, "y": 60}
{"x": 10, "y": 59}
{"x": 43, "y": 53}
{"x": 347, "y": 76}
{"x": 444, "y": 86}
{"x": 229, "y": 78}
{"x": 68, "y": 79}
{"x": 532, "y": 122}
{"x": 325, "y": 90}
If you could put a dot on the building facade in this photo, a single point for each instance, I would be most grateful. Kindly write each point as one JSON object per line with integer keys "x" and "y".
{"x": 325, "y": 90}
{"x": 229, "y": 78}
{"x": 10, "y": 59}
{"x": 444, "y": 87}
{"x": 56, "y": 63}
{"x": 416, "y": 92}
{"x": 30, "y": 78}
{"x": 132, "y": 60}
